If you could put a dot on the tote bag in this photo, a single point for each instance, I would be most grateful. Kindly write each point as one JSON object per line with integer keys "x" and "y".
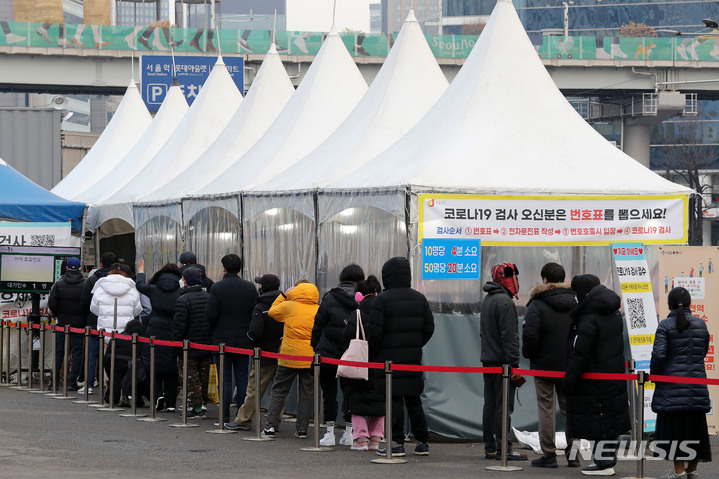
{"x": 357, "y": 351}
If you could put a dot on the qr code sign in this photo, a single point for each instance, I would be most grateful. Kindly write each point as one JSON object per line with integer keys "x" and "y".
{"x": 635, "y": 312}
{"x": 42, "y": 240}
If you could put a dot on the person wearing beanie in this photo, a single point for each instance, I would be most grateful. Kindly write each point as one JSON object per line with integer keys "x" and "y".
{"x": 64, "y": 302}
{"x": 597, "y": 410}
{"x": 264, "y": 333}
{"x": 190, "y": 322}
{"x": 187, "y": 260}
{"x": 544, "y": 342}
{"x": 229, "y": 312}
{"x": 400, "y": 323}
{"x": 499, "y": 332}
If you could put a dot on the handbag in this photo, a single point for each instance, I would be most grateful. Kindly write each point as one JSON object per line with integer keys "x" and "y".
{"x": 517, "y": 380}
{"x": 358, "y": 351}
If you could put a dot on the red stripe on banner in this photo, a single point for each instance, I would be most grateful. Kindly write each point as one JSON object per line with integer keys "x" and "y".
{"x": 446, "y": 369}
{"x": 357, "y": 364}
{"x": 246, "y": 352}
{"x": 124, "y": 337}
{"x": 164, "y": 342}
{"x": 657, "y": 378}
{"x": 204, "y": 347}
{"x": 143, "y": 339}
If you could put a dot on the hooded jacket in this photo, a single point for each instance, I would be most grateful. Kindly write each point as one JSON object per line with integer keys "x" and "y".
{"x": 546, "y": 326}
{"x": 64, "y": 299}
{"x": 86, "y": 297}
{"x": 229, "y": 310}
{"x": 596, "y": 409}
{"x": 206, "y": 282}
{"x": 400, "y": 323}
{"x": 163, "y": 292}
{"x": 498, "y": 327}
{"x": 190, "y": 321}
{"x": 296, "y": 309}
{"x": 336, "y": 305}
{"x": 265, "y": 333}
{"x": 680, "y": 354}
{"x": 106, "y": 290}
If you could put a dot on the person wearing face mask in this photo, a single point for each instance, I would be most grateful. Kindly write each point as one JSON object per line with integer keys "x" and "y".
{"x": 264, "y": 333}
{"x": 499, "y": 331}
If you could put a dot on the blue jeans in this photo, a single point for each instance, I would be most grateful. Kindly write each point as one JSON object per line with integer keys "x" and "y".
{"x": 94, "y": 354}
{"x": 237, "y": 367}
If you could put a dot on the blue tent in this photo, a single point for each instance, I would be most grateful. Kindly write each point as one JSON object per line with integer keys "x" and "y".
{"x": 23, "y": 200}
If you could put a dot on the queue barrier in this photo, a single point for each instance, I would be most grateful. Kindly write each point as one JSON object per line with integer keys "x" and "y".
{"x": 641, "y": 377}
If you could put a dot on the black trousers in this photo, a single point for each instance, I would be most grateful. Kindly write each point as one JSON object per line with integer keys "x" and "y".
{"x": 417, "y": 421}
{"x": 492, "y": 412}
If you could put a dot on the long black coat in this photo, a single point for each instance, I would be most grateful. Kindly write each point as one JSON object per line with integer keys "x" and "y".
{"x": 364, "y": 399}
{"x": 330, "y": 319}
{"x": 190, "y": 321}
{"x": 64, "y": 300}
{"x": 680, "y": 354}
{"x": 229, "y": 310}
{"x": 546, "y": 326}
{"x": 596, "y": 409}
{"x": 163, "y": 292}
{"x": 265, "y": 333}
{"x": 400, "y": 324}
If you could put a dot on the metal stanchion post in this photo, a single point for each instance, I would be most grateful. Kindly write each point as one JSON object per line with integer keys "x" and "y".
{"x": 18, "y": 352}
{"x": 221, "y": 395}
{"x": 185, "y": 350}
{"x": 506, "y": 373}
{"x": 316, "y": 401}
{"x": 632, "y": 401}
{"x": 41, "y": 361}
{"x": 134, "y": 392}
{"x": 53, "y": 334}
{"x": 65, "y": 355}
{"x": 113, "y": 346}
{"x": 29, "y": 355}
{"x": 388, "y": 459}
{"x": 100, "y": 371}
{"x": 86, "y": 368}
{"x": 641, "y": 379}
{"x": 153, "y": 401}
{"x": 257, "y": 358}
{"x": 3, "y": 379}
{"x": 7, "y": 355}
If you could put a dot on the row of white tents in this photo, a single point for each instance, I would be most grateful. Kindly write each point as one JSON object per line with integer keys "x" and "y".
{"x": 304, "y": 182}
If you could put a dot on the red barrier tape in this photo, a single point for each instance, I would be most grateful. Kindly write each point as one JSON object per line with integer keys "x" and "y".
{"x": 246, "y": 352}
{"x": 124, "y": 337}
{"x": 35, "y": 326}
{"x": 657, "y": 378}
{"x": 163, "y": 342}
{"x": 447, "y": 369}
{"x": 287, "y": 357}
{"x": 357, "y": 364}
{"x": 143, "y": 339}
{"x": 77, "y": 330}
{"x": 60, "y": 329}
{"x": 204, "y": 347}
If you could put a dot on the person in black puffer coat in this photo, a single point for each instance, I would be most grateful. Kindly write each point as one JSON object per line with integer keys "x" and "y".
{"x": 400, "y": 324}
{"x": 544, "y": 342}
{"x": 189, "y": 260}
{"x": 365, "y": 403}
{"x": 163, "y": 289}
{"x": 64, "y": 302}
{"x": 326, "y": 340}
{"x": 680, "y": 345}
{"x": 596, "y": 409}
{"x": 190, "y": 322}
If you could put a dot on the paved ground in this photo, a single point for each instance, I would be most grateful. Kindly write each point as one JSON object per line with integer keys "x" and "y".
{"x": 48, "y": 438}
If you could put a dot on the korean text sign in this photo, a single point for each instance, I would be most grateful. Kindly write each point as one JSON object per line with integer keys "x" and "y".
{"x": 569, "y": 220}
{"x": 192, "y": 71}
{"x": 450, "y": 258}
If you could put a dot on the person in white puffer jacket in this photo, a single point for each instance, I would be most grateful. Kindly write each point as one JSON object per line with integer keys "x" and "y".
{"x": 118, "y": 284}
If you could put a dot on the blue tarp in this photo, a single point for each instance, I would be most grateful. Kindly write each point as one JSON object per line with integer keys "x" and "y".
{"x": 23, "y": 200}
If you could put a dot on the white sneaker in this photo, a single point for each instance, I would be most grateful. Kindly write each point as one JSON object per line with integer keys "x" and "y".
{"x": 82, "y": 390}
{"x": 11, "y": 38}
{"x": 328, "y": 439}
{"x": 346, "y": 439}
{"x": 617, "y": 52}
{"x": 682, "y": 51}
{"x": 242, "y": 43}
{"x": 299, "y": 43}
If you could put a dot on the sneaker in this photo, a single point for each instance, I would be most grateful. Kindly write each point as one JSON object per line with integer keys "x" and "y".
{"x": 596, "y": 470}
{"x": 299, "y": 42}
{"x": 545, "y": 461}
{"x": 397, "y": 450}
{"x": 346, "y": 439}
{"x": 374, "y": 443}
{"x": 674, "y": 475}
{"x": 161, "y": 404}
{"x": 242, "y": 44}
{"x": 512, "y": 455}
{"x": 204, "y": 407}
{"x": 328, "y": 439}
{"x": 72, "y": 386}
{"x": 421, "y": 449}
{"x": 268, "y": 432}
{"x": 193, "y": 414}
{"x": 360, "y": 444}
{"x": 82, "y": 390}
{"x": 11, "y": 38}
{"x": 232, "y": 426}
{"x": 573, "y": 462}
{"x": 693, "y": 475}
{"x": 170, "y": 409}
{"x": 301, "y": 434}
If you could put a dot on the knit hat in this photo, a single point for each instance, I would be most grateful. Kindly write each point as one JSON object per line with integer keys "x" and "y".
{"x": 506, "y": 274}
{"x": 192, "y": 276}
{"x": 269, "y": 282}
{"x": 583, "y": 284}
{"x": 73, "y": 263}
{"x": 188, "y": 258}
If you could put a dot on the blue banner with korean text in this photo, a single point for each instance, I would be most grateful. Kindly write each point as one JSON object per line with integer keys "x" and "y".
{"x": 451, "y": 258}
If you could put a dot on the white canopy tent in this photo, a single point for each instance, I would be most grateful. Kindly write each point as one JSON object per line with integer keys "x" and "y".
{"x": 126, "y": 127}
{"x": 168, "y": 117}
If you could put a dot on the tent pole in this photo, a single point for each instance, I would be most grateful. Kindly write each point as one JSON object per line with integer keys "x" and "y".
{"x": 317, "y": 234}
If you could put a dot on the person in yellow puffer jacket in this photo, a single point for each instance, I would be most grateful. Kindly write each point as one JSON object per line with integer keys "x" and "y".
{"x": 296, "y": 308}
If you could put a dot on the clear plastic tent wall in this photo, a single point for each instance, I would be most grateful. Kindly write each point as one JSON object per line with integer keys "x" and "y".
{"x": 158, "y": 234}
{"x": 279, "y": 237}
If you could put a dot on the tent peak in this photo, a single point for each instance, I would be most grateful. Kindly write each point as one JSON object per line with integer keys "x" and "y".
{"x": 411, "y": 17}
{"x": 273, "y": 48}
{"x": 220, "y": 61}
{"x": 333, "y": 31}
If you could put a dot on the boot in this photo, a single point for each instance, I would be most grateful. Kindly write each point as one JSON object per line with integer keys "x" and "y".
{"x": 346, "y": 439}
{"x": 329, "y": 437}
